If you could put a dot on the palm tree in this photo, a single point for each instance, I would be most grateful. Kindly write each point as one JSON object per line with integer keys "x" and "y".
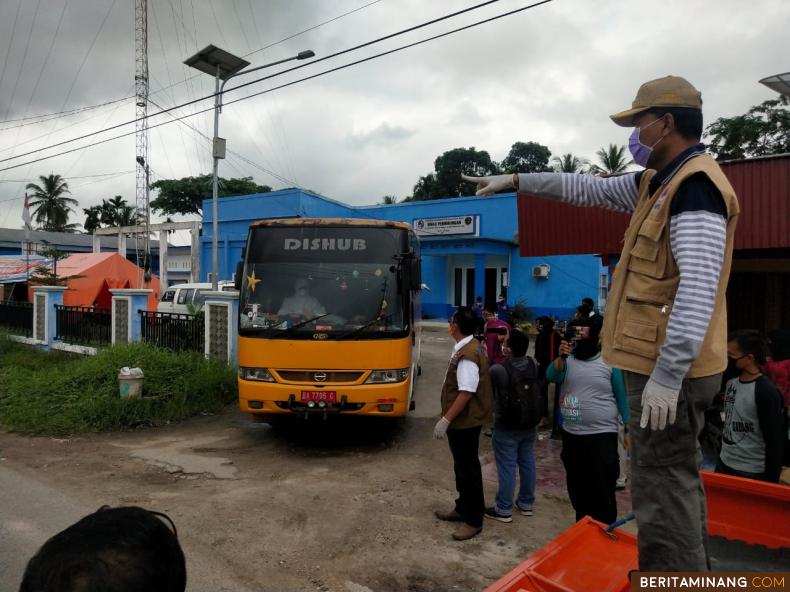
{"x": 568, "y": 163}
{"x": 92, "y": 219}
{"x": 388, "y": 200}
{"x": 117, "y": 212}
{"x": 51, "y": 206}
{"x": 614, "y": 160}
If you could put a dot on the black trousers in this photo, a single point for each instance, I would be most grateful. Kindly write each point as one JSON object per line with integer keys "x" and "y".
{"x": 591, "y": 469}
{"x": 468, "y": 475}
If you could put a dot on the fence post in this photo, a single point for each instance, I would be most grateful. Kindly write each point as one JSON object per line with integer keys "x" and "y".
{"x": 45, "y": 299}
{"x": 126, "y": 304}
{"x": 221, "y": 316}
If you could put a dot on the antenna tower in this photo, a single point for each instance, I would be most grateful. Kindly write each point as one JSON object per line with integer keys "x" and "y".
{"x": 141, "y": 127}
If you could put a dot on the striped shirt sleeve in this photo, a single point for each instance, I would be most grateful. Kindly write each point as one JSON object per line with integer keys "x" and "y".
{"x": 698, "y": 237}
{"x": 611, "y": 193}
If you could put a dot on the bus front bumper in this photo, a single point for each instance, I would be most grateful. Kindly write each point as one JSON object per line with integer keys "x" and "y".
{"x": 272, "y": 398}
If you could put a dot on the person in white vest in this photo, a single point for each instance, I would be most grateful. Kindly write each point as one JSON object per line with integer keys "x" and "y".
{"x": 666, "y": 315}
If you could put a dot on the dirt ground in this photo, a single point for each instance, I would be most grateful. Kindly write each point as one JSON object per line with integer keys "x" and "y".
{"x": 329, "y": 506}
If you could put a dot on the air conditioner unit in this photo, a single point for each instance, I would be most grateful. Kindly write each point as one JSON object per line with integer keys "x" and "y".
{"x": 541, "y": 271}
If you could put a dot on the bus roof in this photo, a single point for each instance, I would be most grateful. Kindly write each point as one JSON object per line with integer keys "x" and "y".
{"x": 331, "y": 222}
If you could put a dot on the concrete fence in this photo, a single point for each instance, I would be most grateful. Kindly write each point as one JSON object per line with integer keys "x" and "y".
{"x": 220, "y": 313}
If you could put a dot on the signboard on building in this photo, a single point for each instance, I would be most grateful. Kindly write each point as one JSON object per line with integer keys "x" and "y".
{"x": 447, "y": 226}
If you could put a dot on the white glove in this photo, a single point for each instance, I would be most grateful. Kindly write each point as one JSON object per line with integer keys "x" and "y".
{"x": 440, "y": 430}
{"x": 659, "y": 403}
{"x": 491, "y": 185}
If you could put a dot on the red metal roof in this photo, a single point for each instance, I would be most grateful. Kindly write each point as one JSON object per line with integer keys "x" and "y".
{"x": 761, "y": 184}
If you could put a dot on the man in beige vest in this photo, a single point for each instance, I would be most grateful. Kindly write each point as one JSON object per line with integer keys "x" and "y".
{"x": 665, "y": 323}
{"x": 467, "y": 403}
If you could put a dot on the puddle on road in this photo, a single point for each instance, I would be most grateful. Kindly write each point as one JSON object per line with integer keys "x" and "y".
{"x": 178, "y": 457}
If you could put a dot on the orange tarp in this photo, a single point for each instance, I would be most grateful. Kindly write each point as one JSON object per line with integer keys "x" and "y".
{"x": 102, "y": 272}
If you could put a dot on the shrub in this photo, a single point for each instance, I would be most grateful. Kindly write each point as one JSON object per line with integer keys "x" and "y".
{"x": 54, "y": 393}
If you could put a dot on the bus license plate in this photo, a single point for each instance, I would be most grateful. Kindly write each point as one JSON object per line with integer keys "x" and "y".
{"x": 326, "y": 396}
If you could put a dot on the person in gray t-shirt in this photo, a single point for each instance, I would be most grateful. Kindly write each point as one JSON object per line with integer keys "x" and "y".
{"x": 592, "y": 397}
{"x": 754, "y": 431}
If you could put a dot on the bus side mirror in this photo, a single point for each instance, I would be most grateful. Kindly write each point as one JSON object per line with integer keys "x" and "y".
{"x": 237, "y": 275}
{"x": 414, "y": 274}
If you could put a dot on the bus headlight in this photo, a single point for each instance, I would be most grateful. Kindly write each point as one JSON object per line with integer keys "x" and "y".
{"x": 257, "y": 374}
{"x": 382, "y": 376}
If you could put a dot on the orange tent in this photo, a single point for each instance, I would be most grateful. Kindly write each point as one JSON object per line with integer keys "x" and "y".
{"x": 102, "y": 272}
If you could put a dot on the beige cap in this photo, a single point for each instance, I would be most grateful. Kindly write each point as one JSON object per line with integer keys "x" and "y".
{"x": 669, "y": 91}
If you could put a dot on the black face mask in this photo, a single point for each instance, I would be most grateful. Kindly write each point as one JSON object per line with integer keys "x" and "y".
{"x": 585, "y": 349}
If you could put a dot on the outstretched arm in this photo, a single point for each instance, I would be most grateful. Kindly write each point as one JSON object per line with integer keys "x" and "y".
{"x": 612, "y": 193}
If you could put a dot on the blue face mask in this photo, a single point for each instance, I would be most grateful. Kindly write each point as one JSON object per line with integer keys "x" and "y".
{"x": 640, "y": 152}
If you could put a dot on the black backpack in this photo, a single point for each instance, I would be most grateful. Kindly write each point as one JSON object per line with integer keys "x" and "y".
{"x": 520, "y": 405}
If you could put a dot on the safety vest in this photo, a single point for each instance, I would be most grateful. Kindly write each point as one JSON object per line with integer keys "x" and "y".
{"x": 646, "y": 279}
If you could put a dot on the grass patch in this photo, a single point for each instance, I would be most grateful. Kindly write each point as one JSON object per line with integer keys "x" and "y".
{"x": 57, "y": 394}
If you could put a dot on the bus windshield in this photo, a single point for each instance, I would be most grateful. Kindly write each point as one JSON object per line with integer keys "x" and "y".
{"x": 318, "y": 282}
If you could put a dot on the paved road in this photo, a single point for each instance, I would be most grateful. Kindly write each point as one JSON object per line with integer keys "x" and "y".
{"x": 32, "y": 512}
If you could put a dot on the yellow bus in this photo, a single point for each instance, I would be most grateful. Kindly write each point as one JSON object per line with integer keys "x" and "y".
{"x": 329, "y": 315}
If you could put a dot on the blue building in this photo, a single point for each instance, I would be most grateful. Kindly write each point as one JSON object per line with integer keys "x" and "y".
{"x": 469, "y": 248}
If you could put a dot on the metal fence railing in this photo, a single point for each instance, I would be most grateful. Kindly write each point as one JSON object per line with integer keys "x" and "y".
{"x": 177, "y": 332}
{"x": 17, "y": 317}
{"x": 83, "y": 325}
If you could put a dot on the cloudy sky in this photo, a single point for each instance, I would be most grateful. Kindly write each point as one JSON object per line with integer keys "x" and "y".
{"x": 551, "y": 74}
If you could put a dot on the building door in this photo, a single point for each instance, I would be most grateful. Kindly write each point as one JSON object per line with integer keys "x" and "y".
{"x": 470, "y": 287}
{"x": 491, "y": 287}
{"x": 464, "y": 286}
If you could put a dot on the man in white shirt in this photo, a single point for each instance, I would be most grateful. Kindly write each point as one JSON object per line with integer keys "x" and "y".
{"x": 467, "y": 404}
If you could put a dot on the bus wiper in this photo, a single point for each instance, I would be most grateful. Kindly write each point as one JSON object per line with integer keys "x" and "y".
{"x": 362, "y": 327}
{"x": 297, "y": 325}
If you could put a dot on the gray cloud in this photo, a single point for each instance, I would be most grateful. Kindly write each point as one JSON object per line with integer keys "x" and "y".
{"x": 552, "y": 75}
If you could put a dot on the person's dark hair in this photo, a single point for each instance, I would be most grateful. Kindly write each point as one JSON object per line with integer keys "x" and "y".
{"x": 779, "y": 344}
{"x": 750, "y": 341}
{"x": 546, "y": 322}
{"x": 584, "y": 311}
{"x": 688, "y": 121}
{"x": 518, "y": 342}
{"x": 124, "y": 549}
{"x": 465, "y": 319}
{"x": 588, "y": 302}
{"x": 491, "y": 307}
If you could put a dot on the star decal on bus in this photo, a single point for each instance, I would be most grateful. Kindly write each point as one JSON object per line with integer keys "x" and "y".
{"x": 252, "y": 281}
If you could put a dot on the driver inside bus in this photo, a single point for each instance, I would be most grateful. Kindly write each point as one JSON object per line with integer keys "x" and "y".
{"x": 301, "y": 303}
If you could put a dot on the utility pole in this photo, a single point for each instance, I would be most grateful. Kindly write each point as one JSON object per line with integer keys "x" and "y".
{"x": 141, "y": 128}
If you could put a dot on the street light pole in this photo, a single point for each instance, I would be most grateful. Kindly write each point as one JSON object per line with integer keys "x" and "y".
{"x": 215, "y": 188}
{"x": 224, "y": 66}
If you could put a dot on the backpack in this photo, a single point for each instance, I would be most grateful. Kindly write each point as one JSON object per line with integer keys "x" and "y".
{"x": 520, "y": 405}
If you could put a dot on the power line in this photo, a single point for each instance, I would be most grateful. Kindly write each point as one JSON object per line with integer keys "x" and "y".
{"x": 44, "y": 117}
{"x": 58, "y": 114}
{"x": 331, "y": 70}
{"x": 286, "y": 71}
{"x": 24, "y": 58}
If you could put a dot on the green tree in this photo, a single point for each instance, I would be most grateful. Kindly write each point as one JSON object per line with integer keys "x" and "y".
{"x": 527, "y": 157}
{"x": 186, "y": 195}
{"x": 389, "y": 200}
{"x": 92, "y": 219}
{"x": 762, "y": 131}
{"x": 446, "y": 181}
{"x": 111, "y": 213}
{"x": 613, "y": 160}
{"x": 117, "y": 212}
{"x": 44, "y": 276}
{"x": 51, "y": 206}
{"x": 568, "y": 163}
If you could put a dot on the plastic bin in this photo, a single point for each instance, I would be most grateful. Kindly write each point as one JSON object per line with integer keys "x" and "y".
{"x": 746, "y": 510}
{"x": 130, "y": 383}
{"x": 583, "y": 557}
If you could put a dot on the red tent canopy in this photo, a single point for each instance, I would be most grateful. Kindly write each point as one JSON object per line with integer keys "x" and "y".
{"x": 102, "y": 272}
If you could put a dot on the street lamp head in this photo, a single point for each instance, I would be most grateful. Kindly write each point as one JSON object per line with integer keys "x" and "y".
{"x": 303, "y": 55}
{"x": 216, "y": 62}
{"x": 778, "y": 82}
